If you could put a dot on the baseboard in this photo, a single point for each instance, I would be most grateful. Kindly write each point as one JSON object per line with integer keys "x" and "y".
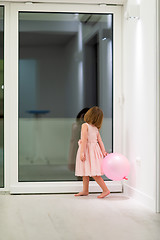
{"x": 139, "y": 196}
{"x": 61, "y": 187}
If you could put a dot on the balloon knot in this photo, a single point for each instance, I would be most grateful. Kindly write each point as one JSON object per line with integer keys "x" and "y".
{"x": 125, "y": 178}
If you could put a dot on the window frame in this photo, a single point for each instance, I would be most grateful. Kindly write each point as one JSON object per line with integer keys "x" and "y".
{"x": 11, "y": 95}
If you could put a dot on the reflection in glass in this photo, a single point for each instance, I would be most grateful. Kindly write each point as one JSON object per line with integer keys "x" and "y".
{"x": 65, "y": 65}
{"x": 1, "y": 96}
{"x": 76, "y": 135}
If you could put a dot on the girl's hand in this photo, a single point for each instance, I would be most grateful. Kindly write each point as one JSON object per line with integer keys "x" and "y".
{"x": 82, "y": 156}
{"x": 105, "y": 154}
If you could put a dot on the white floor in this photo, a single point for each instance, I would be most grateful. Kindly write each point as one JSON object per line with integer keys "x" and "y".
{"x": 65, "y": 217}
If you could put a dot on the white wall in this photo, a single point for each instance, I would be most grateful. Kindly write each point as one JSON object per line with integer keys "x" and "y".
{"x": 139, "y": 112}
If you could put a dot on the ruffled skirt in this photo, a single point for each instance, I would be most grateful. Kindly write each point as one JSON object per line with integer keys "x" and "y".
{"x": 92, "y": 166}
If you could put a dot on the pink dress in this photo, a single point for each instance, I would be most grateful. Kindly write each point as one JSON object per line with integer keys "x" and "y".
{"x": 92, "y": 166}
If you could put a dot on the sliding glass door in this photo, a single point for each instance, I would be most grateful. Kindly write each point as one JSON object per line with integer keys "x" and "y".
{"x": 64, "y": 61}
{"x": 65, "y": 67}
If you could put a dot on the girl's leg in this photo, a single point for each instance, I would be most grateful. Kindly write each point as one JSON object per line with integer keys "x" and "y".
{"x": 102, "y": 184}
{"x": 85, "y": 191}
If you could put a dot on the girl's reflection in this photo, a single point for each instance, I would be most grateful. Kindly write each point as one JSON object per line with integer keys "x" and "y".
{"x": 76, "y": 131}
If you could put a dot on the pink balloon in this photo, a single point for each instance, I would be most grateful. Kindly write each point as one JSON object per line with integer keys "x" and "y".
{"x": 116, "y": 166}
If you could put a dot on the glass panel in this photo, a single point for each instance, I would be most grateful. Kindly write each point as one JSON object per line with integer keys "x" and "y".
{"x": 1, "y": 96}
{"x": 65, "y": 66}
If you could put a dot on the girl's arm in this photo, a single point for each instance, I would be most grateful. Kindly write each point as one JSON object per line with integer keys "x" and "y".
{"x": 101, "y": 145}
{"x": 84, "y": 136}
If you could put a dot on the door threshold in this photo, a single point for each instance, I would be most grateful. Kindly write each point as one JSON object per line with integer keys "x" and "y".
{"x": 61, "y": 187}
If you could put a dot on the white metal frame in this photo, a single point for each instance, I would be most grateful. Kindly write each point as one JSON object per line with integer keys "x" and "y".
{"x": 7, "y": 105}
{"x": 93, "y": 2}
{"x": 11, "y": 95}
{"x": 158, "y": 111}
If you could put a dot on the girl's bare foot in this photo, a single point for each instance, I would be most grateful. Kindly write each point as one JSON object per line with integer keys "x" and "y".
{"x": 82, "y": 194}
{"x": 104, "y": 194}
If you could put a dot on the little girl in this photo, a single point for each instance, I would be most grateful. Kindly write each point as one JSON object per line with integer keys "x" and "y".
{"x": 91, "y": 152}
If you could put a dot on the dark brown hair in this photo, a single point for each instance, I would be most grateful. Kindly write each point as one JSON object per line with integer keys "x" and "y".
{"x": 94, "y": 116}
